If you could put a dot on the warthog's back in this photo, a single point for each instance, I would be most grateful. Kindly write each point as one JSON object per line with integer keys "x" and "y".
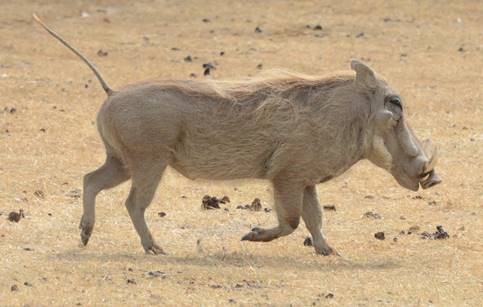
{"x": 221, "y": 130}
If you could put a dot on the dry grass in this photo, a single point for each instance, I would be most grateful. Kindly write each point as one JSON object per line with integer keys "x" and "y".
{"x": 417, "y": 49}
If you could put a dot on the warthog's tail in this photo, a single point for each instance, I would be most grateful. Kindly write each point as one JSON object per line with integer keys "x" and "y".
{"x": 104, "y": 84}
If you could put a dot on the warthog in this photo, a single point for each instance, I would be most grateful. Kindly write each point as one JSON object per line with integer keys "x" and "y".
{"x": 296, "y": 131}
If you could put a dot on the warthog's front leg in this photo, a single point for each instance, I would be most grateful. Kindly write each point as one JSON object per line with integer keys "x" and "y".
{"x": 288, "y": 205}
{"x": 312, "y": 216}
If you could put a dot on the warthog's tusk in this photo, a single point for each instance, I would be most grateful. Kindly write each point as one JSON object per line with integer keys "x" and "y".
{"x": 432, "y": 180}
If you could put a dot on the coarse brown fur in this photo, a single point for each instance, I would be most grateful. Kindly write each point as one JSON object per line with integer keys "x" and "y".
{"x": 293, "y": 130}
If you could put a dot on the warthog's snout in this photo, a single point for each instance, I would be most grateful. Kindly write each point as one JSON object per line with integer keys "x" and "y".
{"x": 429, "y": 179}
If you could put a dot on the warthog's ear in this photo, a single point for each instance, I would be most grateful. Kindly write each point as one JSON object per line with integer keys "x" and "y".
{"x": 364, "y": 74}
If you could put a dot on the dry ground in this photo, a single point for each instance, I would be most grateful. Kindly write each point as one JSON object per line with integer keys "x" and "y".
{"x": 432, "y": 51}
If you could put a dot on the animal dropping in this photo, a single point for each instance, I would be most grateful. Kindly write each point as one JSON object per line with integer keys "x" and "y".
{"x": 291, "y": 129}
{"x": 208, "y": 202}
{"x": 16, "y": 216}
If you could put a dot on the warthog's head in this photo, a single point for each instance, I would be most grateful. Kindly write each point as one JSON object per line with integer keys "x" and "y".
{"x": 391, "y": 143}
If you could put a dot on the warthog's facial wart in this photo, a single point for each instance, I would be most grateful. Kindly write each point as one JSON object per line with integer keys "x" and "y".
{"x": 392, "y": 144}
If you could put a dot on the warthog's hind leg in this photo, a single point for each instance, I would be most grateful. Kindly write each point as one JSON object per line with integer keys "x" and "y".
{"x": 111, "y": 174}
{"x": 312, "y": 216}
{"x": 288, "y": 205}
{"x": 145, "y": 179}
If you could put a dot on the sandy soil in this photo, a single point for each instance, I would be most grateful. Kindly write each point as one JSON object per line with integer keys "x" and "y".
{"x": 432, "y": 51}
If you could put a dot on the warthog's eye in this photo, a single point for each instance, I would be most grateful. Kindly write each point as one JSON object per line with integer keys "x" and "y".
{"x": 395, "y": 100}
{"x": 393, "y": 104}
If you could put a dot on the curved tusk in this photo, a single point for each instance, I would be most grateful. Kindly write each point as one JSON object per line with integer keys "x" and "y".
{"x": 432, "y": 180}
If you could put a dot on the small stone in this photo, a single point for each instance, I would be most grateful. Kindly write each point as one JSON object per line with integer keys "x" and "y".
{"x": 267, "y": 210}
{"x": 188, "y": 58}
{"x": 360, "y": 34}
{"x": 131, "y": 281}
{"x": 329, "y": 295}
{"x": 75, "y": 193}
{"x": 258, "y": 30}
{"x": 157, "y": 274}
{"x": 205, "y": 20}
{"x": 39, "y": 194}
{"x": 102, "y": 53}
{"x": 161, "y": 214}
{"x": 412, "y": 229}
{"x": 317, "y": 28}
{"x": 14, "y": 288}
{"x": 225, "y": 199}
{"x": 329, "y": 207}
{"x": 372, "y": 215}
{"x": 208, "y": 65}
{"x": 380, "y": 235}
{"x": 260, "y": 66}
{"x": 426, "y": 235}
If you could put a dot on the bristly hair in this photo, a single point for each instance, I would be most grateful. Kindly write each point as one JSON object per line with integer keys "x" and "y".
{"x": 272, "y": 82}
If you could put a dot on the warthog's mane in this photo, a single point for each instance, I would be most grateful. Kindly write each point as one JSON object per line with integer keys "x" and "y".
{"x": 271, "y": 83}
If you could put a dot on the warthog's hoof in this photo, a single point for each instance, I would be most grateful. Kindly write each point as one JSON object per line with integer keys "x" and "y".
{"x": 326, "y": 251}
{"x": 154, "y": 249}
{"x": 253, "y": 235}
{"x": 86, "y": 230}
{"x": 262, "y": 235}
